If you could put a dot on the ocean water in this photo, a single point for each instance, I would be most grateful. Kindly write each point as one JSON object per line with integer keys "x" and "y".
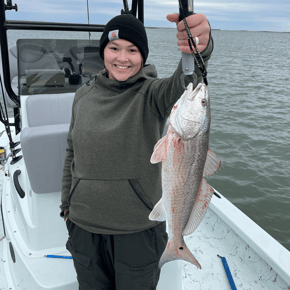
{"x": 249, "y": 84}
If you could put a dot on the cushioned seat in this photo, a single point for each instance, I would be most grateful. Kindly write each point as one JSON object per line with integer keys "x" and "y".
{"x": 44, "y": 141}
{"x": 44, "y": 152}
{"x": 49, "y": 109}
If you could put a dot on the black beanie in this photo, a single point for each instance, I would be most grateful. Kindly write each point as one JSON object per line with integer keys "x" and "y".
{"x": 126, "y": 27}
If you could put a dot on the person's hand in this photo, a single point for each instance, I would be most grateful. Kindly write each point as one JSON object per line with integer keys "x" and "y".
{"x": 198, "y": 26}
{"x": 66, "y": 218}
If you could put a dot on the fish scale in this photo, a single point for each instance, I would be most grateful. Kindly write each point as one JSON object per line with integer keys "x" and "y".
{"x": 185, "y": 160}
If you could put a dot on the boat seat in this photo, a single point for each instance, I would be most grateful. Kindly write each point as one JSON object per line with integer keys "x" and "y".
{"x": 33, "y": 56}
{"x": 44, "y": 141}
{"x": 49, "y": 109}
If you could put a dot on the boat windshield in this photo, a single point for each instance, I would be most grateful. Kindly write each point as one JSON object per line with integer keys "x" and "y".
{"x": 49, "y": 66}
{"x": 47, "y": 57}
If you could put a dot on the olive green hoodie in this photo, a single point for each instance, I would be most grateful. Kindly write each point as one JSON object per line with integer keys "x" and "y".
{"x": 109, "y": 184}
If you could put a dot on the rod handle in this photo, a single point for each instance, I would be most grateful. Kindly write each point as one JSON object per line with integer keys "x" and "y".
{"x": 185, "y": 8}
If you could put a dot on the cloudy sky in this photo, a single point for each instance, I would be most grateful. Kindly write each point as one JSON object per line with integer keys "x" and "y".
{"x": 254, "y": 15}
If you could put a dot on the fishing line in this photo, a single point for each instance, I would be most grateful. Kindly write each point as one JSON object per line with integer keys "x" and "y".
{"x": 197, "y": 56}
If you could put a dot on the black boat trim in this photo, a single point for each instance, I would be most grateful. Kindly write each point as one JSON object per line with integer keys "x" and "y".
{"x": 216, "y": 194}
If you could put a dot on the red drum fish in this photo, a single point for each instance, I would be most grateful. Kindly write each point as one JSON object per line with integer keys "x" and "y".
{"x": 186, "y": 159}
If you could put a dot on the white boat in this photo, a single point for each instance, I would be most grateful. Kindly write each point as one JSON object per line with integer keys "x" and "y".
{"x": 30, "y": 200}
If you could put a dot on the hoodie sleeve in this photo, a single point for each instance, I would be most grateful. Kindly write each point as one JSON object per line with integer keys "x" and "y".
{"x": 67, "y": 176}
{"x": 162, "y": 94}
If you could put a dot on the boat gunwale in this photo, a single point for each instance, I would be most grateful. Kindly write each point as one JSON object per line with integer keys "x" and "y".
{"x": 269, "y": 249}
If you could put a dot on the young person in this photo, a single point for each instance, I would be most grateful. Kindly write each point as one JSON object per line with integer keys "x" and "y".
{"x": 109, "y": 185}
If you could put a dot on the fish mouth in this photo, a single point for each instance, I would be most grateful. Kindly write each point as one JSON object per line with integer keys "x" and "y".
{"x": 191, "y": 121}
{"x": 185, "y": 120}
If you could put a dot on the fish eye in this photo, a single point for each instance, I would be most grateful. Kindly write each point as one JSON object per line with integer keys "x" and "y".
{"x": 204, "y": 102}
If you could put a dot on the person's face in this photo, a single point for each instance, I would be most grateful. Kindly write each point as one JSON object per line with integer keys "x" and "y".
{"x": 122, "y": 59}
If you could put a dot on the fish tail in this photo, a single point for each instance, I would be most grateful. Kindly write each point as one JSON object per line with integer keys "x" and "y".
{"x": 172, "y": 253}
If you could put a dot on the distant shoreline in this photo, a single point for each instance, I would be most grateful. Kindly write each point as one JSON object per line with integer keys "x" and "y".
{"x": 225, "y": 30}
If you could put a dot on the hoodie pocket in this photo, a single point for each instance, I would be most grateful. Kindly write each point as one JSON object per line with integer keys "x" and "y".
{"x": 73, "y": 190}
{"x": 140, "y": 193}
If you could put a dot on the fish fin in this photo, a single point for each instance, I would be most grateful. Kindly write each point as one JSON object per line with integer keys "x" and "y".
{"x": 173, "y": 252}
{"x": 178, "y": 150}
{"x": 212, "y": 163}
{"x": 202, "y": 201}
{"x": 159, "y": 153}
{"x": 158, "y": 213}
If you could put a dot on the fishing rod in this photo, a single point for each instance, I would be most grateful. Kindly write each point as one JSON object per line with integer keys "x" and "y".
{"x": 5, "y": 120}
{"x": 126, "y": 8}
{"x": 189, "y": 59}
{"x": 188, "y": 67}
{"x": 135, "y": 4}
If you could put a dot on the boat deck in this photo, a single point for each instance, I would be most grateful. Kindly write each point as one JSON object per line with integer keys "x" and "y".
{"x": 213, "y": 237}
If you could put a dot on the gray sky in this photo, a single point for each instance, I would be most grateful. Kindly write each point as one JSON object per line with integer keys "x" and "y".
{"x": 254, "y": 15}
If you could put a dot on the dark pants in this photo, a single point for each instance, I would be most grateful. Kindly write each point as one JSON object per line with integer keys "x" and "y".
{"x": 117, "y": 262}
